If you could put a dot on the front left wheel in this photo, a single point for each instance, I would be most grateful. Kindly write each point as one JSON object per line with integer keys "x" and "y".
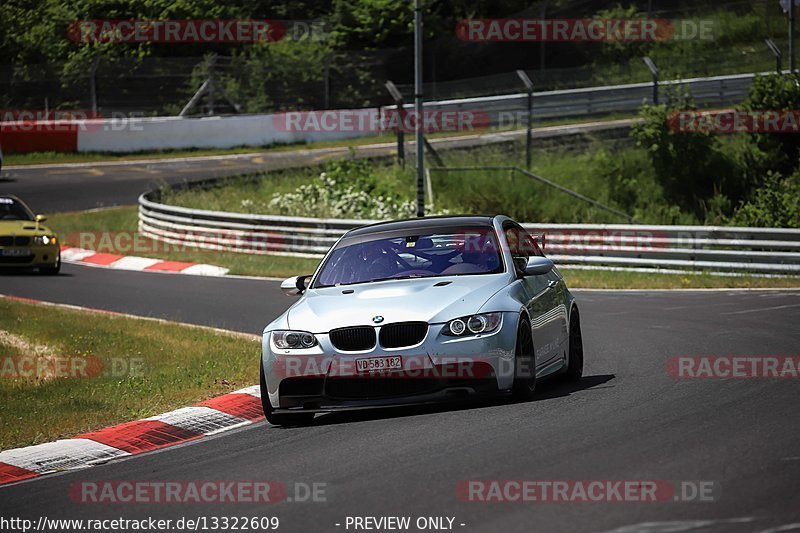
{"x": 575, "y": 361}
{"x": 299, "y": 419}
{"x": 524, "y": 363}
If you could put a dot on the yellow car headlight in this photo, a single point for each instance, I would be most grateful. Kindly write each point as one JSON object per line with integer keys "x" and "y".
{"x": 44, "y": 240}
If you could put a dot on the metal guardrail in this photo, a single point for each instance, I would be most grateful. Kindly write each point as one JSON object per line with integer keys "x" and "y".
{"x": 505, "y": 110}
{"x": 762, "y": 250}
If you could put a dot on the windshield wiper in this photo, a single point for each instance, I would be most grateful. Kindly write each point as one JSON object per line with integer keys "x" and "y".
{"x": 410, "y": 276}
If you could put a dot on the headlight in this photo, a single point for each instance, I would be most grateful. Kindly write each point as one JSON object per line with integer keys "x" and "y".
{"x": 473, "y": 325}
{"x": 293, "y": 340}
{"x": 44, "y": 240}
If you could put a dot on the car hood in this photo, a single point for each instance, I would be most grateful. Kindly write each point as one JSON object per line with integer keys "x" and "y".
{"x": 22, "y": 227}
{"x": 321, "y": 310}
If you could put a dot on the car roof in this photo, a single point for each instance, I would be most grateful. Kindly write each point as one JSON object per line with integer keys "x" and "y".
{"x": 444, "y": 221}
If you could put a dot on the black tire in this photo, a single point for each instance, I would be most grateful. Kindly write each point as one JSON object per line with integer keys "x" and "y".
{"x": 524, "y": 363}
{"x": 300, "y": 419}
{"x": 575, "y": 360}
{"x": 53, "y": 270}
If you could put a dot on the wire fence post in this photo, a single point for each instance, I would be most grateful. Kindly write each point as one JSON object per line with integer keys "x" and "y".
{"x": 653, "y": 72}
{"x": 529, "y": 136}
{"x": 211, "y": 85}
{"x": 326, "y": 98}
{"x": 397, "y": 96}
{"x": 420, "y": 138}
{"x": 93, "y": 84}
{"x": 778, "y": 54}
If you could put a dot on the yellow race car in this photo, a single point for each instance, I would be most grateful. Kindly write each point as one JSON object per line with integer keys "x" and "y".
{"x": 24, "y": 241}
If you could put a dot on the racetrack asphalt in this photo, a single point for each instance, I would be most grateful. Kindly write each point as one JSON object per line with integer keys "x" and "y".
{"x": 626, "y": 420}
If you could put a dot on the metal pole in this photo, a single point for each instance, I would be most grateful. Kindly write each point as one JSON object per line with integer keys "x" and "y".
{"x": 655, "y": 88}
{"x": 211, "y": 85}
{"x": 418, "y": 108}
{"x": 654, "y": 72}
{"x": 529, "y": 138}
{"x": 93, "y": 85}
{"x": 399, "y": 101}
{"x": 792, "y": 58}
{"x": 775, "y": 49}
{"x": 326, "y": 97}
{"x": 401, "y": 137}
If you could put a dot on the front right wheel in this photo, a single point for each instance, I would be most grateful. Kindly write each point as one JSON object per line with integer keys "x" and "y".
{"x": 299, "y": 419}
{"x": 51, "y": 270}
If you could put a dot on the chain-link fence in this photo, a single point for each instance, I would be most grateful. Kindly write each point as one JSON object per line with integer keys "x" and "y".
{"x": 163, "y": 86}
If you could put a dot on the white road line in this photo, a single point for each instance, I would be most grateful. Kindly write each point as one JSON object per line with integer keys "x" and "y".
{"x": 746, "y": 311}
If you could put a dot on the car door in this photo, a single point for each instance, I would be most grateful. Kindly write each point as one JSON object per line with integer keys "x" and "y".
{"x": 542, "y": 298}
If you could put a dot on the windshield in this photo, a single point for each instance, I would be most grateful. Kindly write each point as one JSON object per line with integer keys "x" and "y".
{"x": 10, "y": 209}
{"x": 450, "y": 253}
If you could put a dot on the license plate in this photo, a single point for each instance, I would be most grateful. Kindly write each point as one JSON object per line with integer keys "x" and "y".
{"x": 15, "y": 252}
{"x": 377, "y": 364}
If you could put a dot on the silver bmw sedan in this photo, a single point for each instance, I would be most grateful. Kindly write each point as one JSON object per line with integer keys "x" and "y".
{"x": 417, "y": 311}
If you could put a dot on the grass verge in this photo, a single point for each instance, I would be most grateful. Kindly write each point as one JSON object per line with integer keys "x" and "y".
{"x": 147, "y": 368}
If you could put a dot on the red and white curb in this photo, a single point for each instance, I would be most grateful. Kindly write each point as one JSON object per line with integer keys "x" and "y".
{"x": 80, "y": 256}
{"x": 212, "y": 416}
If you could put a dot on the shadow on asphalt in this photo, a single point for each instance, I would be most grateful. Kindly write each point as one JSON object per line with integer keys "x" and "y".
{"x": 29, "y": 272}
{"x": 547, "y": 390}
{"x": 559, "y": 389}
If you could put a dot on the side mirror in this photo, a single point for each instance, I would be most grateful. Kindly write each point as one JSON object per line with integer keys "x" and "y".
{"x": 538, "y": 266}
{"x": 40, "y": 218}
{"x": 294, "y": 286}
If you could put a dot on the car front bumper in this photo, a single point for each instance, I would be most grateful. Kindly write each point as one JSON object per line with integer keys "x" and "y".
{"x": 441, "y": 368}
{"x": 29, "y": 256}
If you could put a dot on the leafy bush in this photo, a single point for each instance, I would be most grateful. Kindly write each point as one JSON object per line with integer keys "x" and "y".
{"x": 347, "y": 189}
{"x": 776, "y": 204}
{"x": 775, "y": 93}
{"x": 688, "y": 166}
